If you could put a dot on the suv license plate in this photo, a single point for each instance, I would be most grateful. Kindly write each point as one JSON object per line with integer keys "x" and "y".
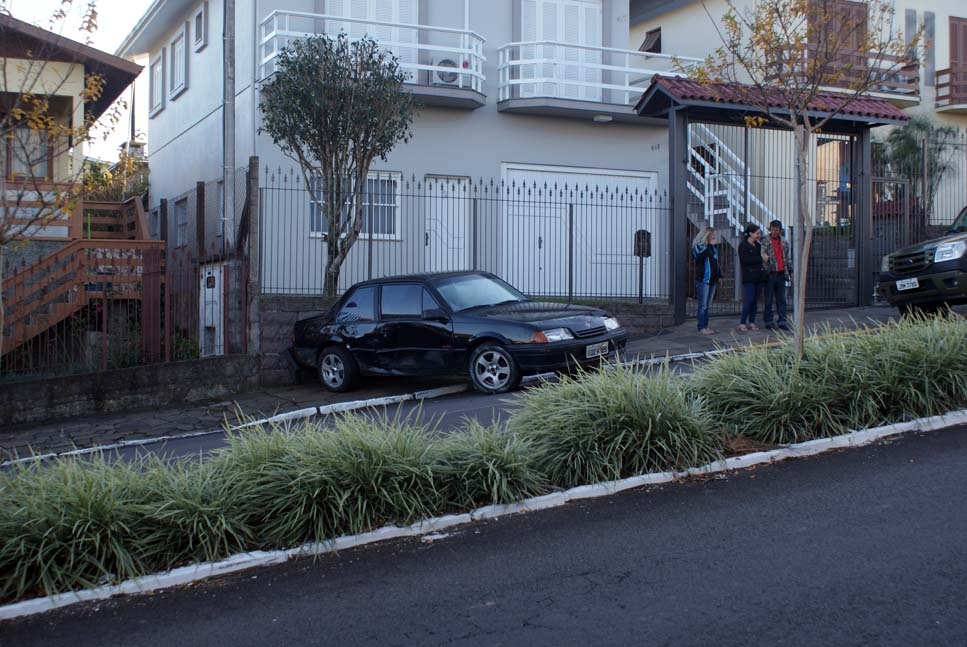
{"x": 907, "y": 284}
{"x": 596, "y": 350}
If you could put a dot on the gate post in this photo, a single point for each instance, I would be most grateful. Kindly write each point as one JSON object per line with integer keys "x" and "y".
{"x": 678, "y": 227}
{"x": 863, "y": 220}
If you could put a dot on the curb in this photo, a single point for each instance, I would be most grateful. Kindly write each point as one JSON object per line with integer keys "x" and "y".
{"x": 254, "y": 559}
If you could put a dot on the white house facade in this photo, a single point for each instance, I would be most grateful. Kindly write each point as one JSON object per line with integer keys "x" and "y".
{"x": 524, "y": 92}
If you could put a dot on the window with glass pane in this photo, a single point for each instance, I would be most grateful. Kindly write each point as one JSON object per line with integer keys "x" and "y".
{"x": 179, "y": 62}
{"x": 156, "y": 84}
{"x": 401, "y": 300}
{"x": 381, "y": 206}
{"x": 29, "y": 153}
{"x": 361, "y": 306}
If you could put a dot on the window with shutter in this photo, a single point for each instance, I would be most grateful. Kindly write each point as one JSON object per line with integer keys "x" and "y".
{"x": 958, "y": 60}
{"x": 569, "y": 69}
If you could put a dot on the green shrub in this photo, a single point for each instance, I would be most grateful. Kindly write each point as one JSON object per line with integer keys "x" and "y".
{"x": 608, "y": 425}
{"x": 69, "y": 524}
{"x": 896, "y": 372}
{"x": 294, "y": 485}
{"x": 486, "y": 465}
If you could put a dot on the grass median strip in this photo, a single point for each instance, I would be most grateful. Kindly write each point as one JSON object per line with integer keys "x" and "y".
{"x": 84, "y": 522}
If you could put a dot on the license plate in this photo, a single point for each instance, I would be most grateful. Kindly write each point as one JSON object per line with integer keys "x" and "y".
{"x": 596, "y": 350}
{"x": 907, "y": 284}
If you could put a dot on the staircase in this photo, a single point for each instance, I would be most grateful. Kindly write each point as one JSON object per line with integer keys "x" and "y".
{"x": 717, "y": 177}
{"x": 113, "y": 260}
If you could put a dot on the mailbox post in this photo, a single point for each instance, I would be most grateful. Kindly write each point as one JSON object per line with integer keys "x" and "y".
{"x": 642, "y": 251}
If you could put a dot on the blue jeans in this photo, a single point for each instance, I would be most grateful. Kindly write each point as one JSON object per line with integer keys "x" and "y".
{"x": 706, "y": 294}
{"x": 750, "y": 302}
{"x": 775, "y": 291}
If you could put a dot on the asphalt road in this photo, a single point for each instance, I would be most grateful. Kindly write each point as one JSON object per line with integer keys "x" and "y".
{"x": 860, "y": 547}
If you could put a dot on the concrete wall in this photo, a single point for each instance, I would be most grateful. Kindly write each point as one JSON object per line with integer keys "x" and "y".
{"x": 152, "y": 385}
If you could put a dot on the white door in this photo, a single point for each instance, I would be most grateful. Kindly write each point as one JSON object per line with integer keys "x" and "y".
{"x": 396, "y": 37}
{"x": 447, "y": 237}
{"x": 564, "y": 70}
{"x": 577, "y": 225}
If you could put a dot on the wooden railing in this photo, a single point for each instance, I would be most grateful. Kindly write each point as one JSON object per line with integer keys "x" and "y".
{"x": 891, "y": 75}
{"x": 951, "y": 86}
{"x": 106, "y": 259}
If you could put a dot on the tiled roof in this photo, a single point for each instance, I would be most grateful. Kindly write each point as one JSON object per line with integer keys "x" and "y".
{"x": 687, "y": 90}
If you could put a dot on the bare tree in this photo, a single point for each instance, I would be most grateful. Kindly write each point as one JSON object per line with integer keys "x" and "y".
{"x": 334, "y": 105}
{"x": 44, "y": 96}
{"x": 788, "y": 54}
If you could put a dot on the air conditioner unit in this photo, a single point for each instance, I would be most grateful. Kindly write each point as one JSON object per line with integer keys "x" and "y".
{"x": 446, "y": 77}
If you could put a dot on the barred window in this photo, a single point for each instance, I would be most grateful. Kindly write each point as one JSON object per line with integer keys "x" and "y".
{"x": 381, "y": 207}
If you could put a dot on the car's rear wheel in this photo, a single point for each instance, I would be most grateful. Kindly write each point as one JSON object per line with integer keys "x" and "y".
{"x": 493, "y": 370}
{"x": 338, "y": 370}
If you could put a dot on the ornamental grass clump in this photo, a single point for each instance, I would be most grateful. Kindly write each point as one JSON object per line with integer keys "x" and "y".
{"x": 293, "y": 485}
{"x": 484, "y": 465}
{"x": 69, "y": 524}
{"x": 875, "y": 376}
{"x": 603, "y": 426}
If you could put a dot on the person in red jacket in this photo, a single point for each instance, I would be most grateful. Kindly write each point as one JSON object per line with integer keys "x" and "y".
{"x": 778, "y": 265}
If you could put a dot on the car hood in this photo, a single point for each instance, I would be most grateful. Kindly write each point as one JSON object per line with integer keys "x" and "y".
{"x": 931, "y": 244}
{"x": 543, "y": 313}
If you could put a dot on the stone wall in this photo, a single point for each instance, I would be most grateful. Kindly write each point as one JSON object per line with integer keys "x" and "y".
{"x": 151, "y": 385}
{"x": 278, "y": 315}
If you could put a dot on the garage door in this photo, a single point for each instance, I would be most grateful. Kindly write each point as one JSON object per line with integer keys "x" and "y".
{"x": 570, "y": 231}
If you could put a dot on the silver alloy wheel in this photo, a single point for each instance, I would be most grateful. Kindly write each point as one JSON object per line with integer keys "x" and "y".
{"x": 332, "y": 370}
{"x": 492, "y": 369}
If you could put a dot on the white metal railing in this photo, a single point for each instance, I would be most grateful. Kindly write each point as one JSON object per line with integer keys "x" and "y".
{"x": 428, "y": 55}
{"x": 719, "y": 180}
{"x": 582, "y": 72}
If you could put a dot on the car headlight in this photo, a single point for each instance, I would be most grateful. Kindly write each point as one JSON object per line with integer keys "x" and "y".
{"x": 885, "y": 263}
{"x": 558, "y": 334}
{"x": 949, "y": 251}
{"x": 611, "y": 323}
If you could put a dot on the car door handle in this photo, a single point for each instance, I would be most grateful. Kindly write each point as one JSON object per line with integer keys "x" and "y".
{"x": 426, "y": 239}
{"x": 540, "y": 242}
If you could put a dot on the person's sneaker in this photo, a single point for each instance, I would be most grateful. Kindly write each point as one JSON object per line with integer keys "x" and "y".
{"x": 743, "y": 328}
{"x": 783, "y": 326}
{"x": 753, "y": 327}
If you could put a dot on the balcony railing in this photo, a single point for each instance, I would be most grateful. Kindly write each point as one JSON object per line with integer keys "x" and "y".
{"x": 952, "y": 87}
{"x": 439, "y": 56}
{"x": 893, "y": 76}
{"x": 550, "y": 69}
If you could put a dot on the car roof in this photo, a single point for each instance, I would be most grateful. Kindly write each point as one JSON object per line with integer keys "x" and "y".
{"x": 419, "y": 276}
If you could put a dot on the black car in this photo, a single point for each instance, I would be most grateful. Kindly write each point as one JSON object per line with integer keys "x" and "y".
{"x": 450, "y": 324}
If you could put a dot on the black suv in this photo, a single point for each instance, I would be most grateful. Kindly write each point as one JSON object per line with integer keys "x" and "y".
{"x": 928, "y": 275}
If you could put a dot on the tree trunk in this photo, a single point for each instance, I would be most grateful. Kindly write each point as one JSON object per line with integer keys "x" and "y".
{"x": 803, "y": 239}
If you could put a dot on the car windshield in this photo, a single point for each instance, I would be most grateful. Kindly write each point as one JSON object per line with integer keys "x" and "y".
{"x": 475, "y": 290}
{"x": 960, "y": 222}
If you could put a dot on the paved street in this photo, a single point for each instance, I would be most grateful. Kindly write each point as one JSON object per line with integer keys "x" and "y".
{"x": 859, "y": 547}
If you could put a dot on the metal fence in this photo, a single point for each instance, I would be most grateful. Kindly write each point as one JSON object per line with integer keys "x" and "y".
{"x": 569, "y": 241}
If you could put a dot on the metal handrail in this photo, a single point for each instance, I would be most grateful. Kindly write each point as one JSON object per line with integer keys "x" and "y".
{"x": 531, "y": 73}
{"x": 281, "y": 27}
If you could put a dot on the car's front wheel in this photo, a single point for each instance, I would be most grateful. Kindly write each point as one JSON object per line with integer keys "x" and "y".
{"x": 338, "y": 370}
{"x": 493, "y": 370}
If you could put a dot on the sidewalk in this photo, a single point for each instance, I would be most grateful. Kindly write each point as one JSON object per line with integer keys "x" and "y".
{"x": 88, "y": 431}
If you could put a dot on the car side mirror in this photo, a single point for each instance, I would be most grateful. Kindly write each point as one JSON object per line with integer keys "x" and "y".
{"x": 435, "y": 314}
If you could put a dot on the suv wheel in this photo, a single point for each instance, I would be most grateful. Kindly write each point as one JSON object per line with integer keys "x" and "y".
{"x": 338, "y": 370}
